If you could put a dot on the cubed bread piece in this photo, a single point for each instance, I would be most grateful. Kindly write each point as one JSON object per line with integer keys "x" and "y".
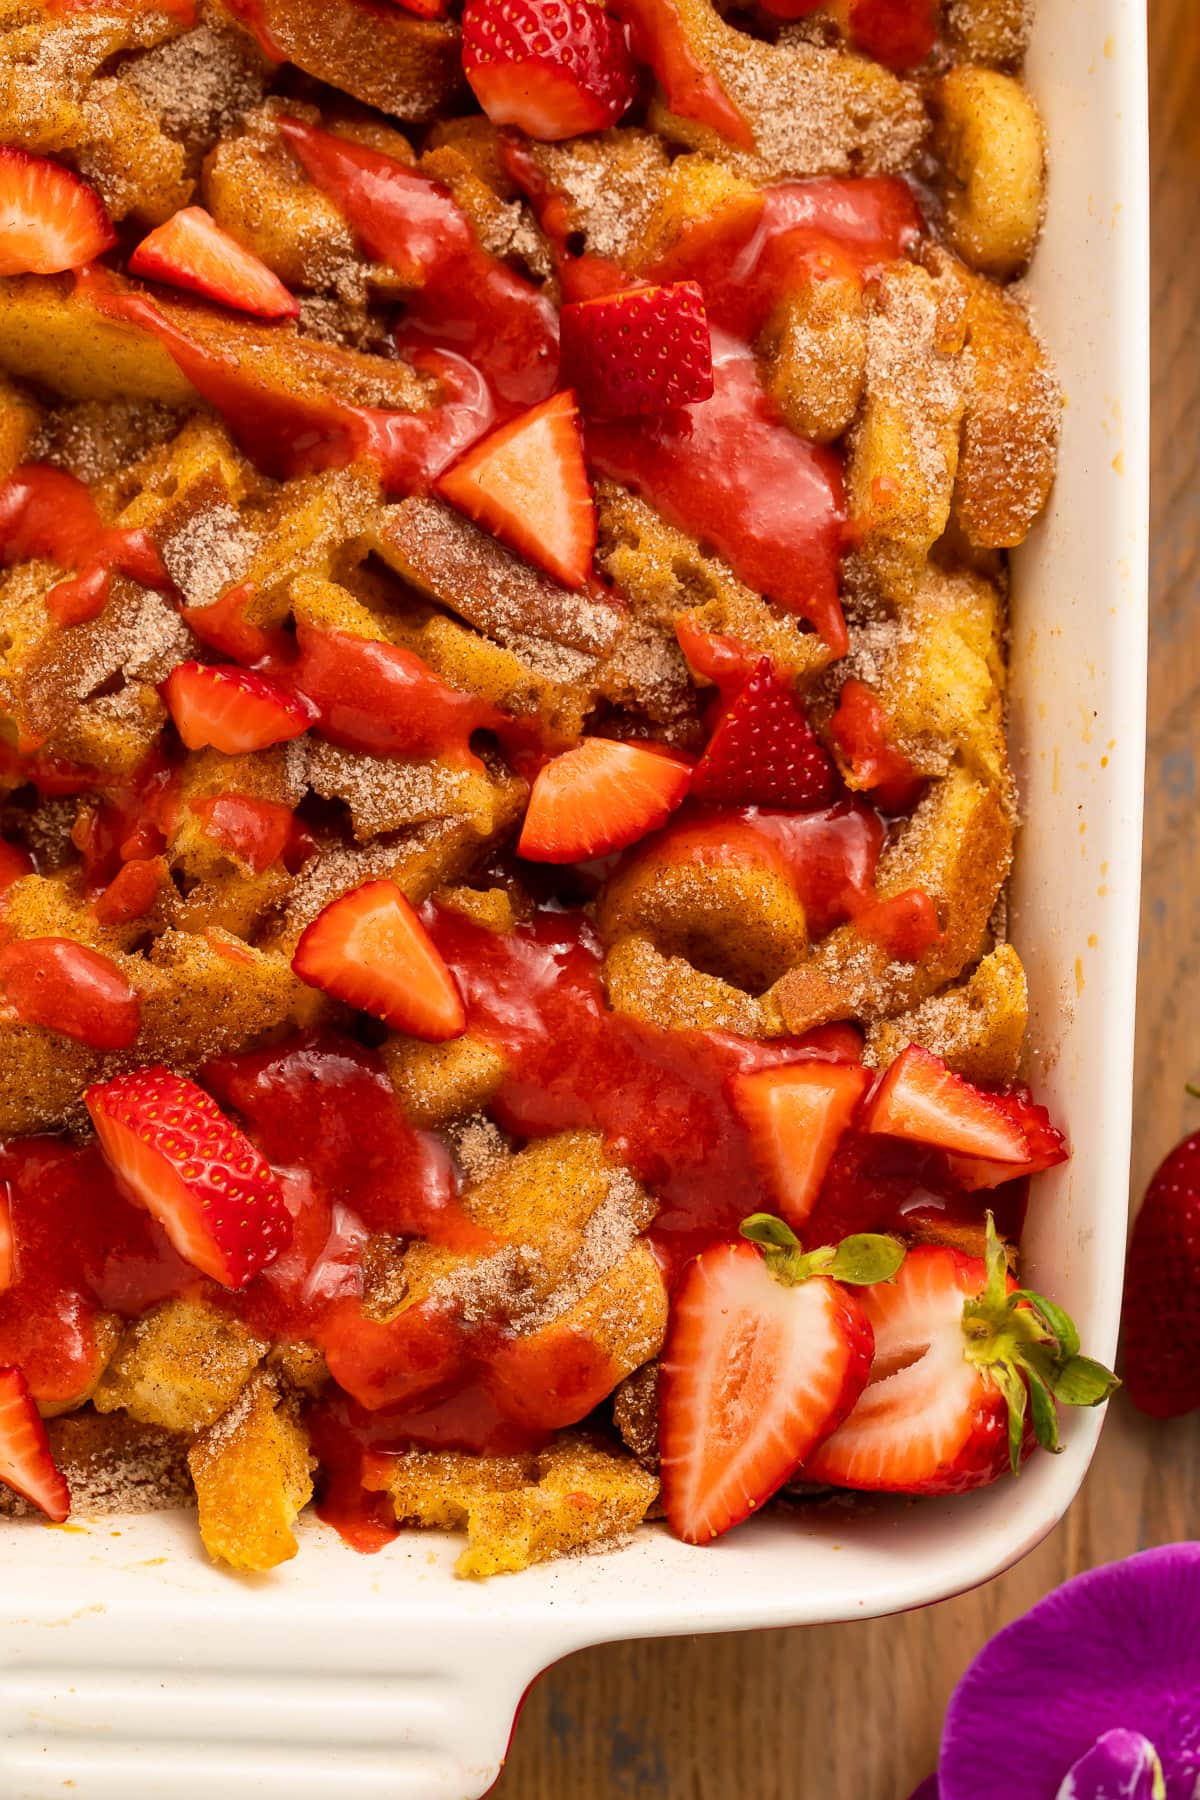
{"x": 977, "y": 1028}
{"x": 198, "y": 85}
{"x": 440, "y": 1082}
{"x": 112, "y": 1465}
{"x": 180, "y": 1366}
{"x": 989, "y": 31}
{"x": 522, "y": 1510}
{"x": 547, "y": 1193}
{"x": 1011, "y": 420}
{"x": 252, "y": 1473}
{"x": 734, "y": 916}
{"x": 665, "y": 575}
{"x": 20, "y": 418}
{"x": 95, "y": 439}
{"x": 389, "y": 793}
{"x": 668, "y": 992}
{"x": 815, "y": 351}
{"x": 957, "y": 847}
{"x": 635, "y": 1414}
{"x": 256, "y": 190}
{"x": 609, "y": 185}
{"x": 991, "y": 168}
{"x": 385, "y": 57}
{"x": 809, "y": 110}
{"x": 418, "y": 861}
{"x": 690, "y": 191}
{"x": 138, "y": 171}
{"x": 904, "y": 449}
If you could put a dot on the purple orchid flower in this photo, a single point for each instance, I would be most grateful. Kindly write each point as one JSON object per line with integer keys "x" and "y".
{"x": 1093, "y": 1695}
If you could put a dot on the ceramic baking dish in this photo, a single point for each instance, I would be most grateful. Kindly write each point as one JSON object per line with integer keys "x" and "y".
{"x": 130, "y": 1665}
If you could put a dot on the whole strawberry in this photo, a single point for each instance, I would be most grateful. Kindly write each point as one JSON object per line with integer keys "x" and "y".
{"x": 764, "y": 752}
{"x": 1162, "y": 1290}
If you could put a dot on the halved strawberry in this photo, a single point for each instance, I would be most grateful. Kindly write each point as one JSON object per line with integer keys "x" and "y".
{"x": 176, "y": 1154}
{"x": 8, "y": 1247}
{"x": 1047, "y": 1146}
{"x": 922, "y": 1100}
{"x": 641, "y": 351}
{"x": 50, "y": 220}
{"x": 232, "y": 710}
{"x": 527, "y": 484}
{"x": 797, "y": 1114}
{"x": 764, "y": 752}
{"x": 600, "y": 796}
{"x": 962, "y": 1355}
{"x": 370, "y": 950}
{"x": 554, "y": 68}
{"x": 191, "y": 251}
{"x": 766, "y": 1353}
{"x": 66, "y": 986}
{"x": 25, "y": 1460}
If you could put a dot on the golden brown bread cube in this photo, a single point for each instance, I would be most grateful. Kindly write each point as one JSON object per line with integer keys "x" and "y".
{"x": 737, "y": 918}
{"x": 180, "y": 1366}
{"x": 957, "y": 847}
{"x": 252, "y": 1471}
{"x": 256, "y": 190}
{"x": 388, "y": 794}
{"x": 521, "y": 1510}
{"x": 989, "y": 31}
{"x": 692, "y": 188}
{"x": 51, "y": 334}
{"x": 904, "y": 449}
{"x": 668, "y": 992}
{"x": 20, "y": 418}
{"x": 815, "y": 351}
{"x": 112, "y": 1465}
{"x": 978, "y": 1028}
{"x": 439, "y": 1082}
{"x": 382, "y": 55}
{"x": 609, "y": 185}
{"x": 991, "y": 168}
{"x": 810, "y": 110}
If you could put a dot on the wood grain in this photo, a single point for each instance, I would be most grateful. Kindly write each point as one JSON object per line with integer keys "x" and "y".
{"x": 853, "y": 1712}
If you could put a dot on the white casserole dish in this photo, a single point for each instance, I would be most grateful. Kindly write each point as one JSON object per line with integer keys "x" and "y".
{"x": 130, "y": 1665}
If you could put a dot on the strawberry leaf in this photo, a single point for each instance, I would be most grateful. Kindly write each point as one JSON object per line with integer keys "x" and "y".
{"x": 1059, "y": 1323}
{"x": 1041, "y": 1406}
{"x": 769, "y": 1232}
{"x": 859, "y": 1261}
{"x": 863, "y": 1260}
{"x": 1013, "y": 1388}
{"x": 1082, "y": 1382}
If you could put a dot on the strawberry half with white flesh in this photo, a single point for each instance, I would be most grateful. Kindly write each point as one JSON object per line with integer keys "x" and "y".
{"x": 963, "y": 1359}
{"x": 527, "y": 484}
{"x": 796, "y": 1116}
{"x": 214, "y": 705}
{"x": 370, "y": 950}
{"x": 766, "y": 1353}
{"x": 50, "y": 220}
{"x": 643, "y": 351}
{"x": 923, "y": 1101}
{"x": 553, "y": 68}
{"x": 176, "y": 1154}
{"x": 25, "y": 1460}
{"x": 600, "y": 796}
{"x": 191, "y": 251}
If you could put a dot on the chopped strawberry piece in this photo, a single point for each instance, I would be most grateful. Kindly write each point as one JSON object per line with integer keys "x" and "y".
{"x": 15, "y": 861}
{"x": 553, "y": 68}
{"x": 1047, "y": 1146}
{"x": 797, "y": 1115}
{"x": 230, "y": 709}
{"x": 64, "y": 986}
{"x": 922, "y": 1100}
{"x": 1161, "y": 1319}
{"x": 859, "y": 729}
{"x": 383, "y": 699}
{"x": 754, "y": 1375}
{"x": 899, "y": 33}
{"x": 132, "y": 891}
{"x": 26, "y": 1464}
{"x": 764, "y": 752}
{"x": 692, "y": 89}
{"x": 191, "y": 251}
{"x": 600, "y": 796}
{"x": 641, "y": 351}
{"x": 8, "y": 1248}
{"x": 370, "y": 950}
{"x": 256, "y": 832}
{"x": 176, "y": 1154}
{"x": 50, "y": 220}
{"x": 527, "y": 484}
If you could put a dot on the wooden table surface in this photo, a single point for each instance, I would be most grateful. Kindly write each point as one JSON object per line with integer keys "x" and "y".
{"x": 853, "y": 1712}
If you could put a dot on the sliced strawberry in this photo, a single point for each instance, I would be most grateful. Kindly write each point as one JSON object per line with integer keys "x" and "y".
{"x": 370, "y": 950}
{"x": 8, "y": 1248}
{"x": 922, "y": 1100}
{"x": 600, "y": 796}
{"x": 962, "y": 1356}
{"x": 766, "y": 1353}
{"x": 796, "y": 1115}
{"x": 1161, "y": 1320}
{"x": 50, "y": 220}
{"x": 177, "y": 1155}
{"x": 65, "y": 986}
{"x": 256, "y": 832}
{"x": 26, "y": 1464}
{"x": 764, "y": 751}
{"x": 191, "y": 251}
{"x": 859, "y": 729}
{"x": 1047, "y": 1146}
{"x": 527, "y": 485}
{"x": 553, "y": 68}
{"x": 232, "y": 710}
{"x": 641, "y": 351}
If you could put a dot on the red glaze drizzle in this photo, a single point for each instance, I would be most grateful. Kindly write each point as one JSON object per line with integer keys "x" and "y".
{"x": 45, "y": 512}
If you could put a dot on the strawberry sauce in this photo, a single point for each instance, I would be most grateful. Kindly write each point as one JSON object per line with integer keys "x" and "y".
{"x": 45, "y": 512}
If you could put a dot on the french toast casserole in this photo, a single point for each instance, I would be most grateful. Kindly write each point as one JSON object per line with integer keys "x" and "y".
{"x": 506, "y": 1015}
